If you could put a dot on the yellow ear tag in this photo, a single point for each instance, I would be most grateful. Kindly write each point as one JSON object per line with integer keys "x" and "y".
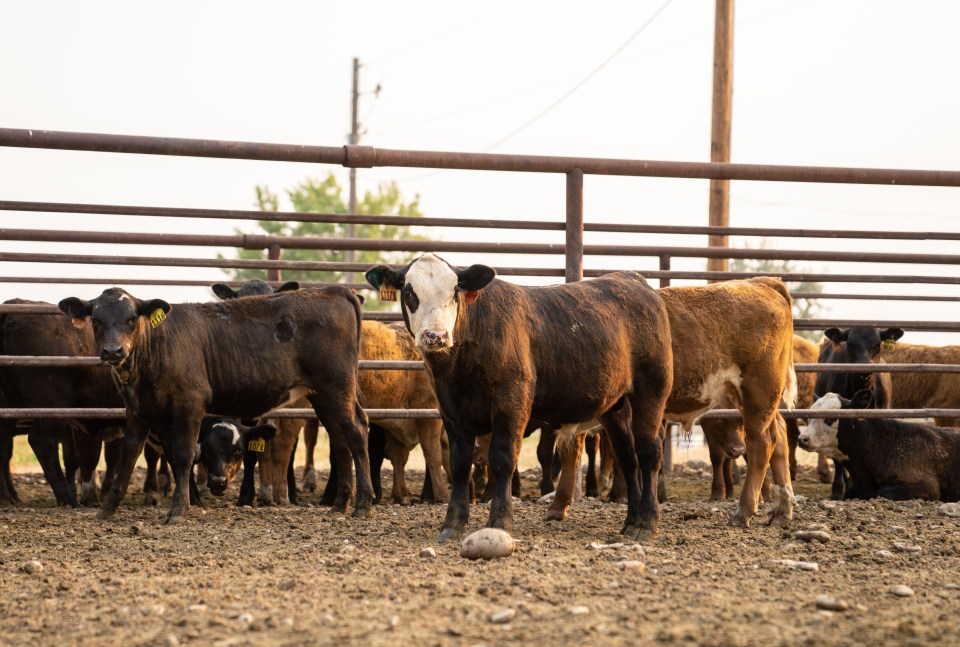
{"x": 157, "y": 317}
{"x": 387, "y": 293}
{"x": 888, "y": 344}
{"x": 256, "y": 445}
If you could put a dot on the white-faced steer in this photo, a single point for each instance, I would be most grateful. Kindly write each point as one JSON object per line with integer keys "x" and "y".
{"x": 239, "y": 358}
{"x": 500, "y": 354}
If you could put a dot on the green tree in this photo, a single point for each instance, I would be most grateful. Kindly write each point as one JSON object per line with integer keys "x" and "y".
{"x": 802, "y": 308}
{"x": 325, "y": 195}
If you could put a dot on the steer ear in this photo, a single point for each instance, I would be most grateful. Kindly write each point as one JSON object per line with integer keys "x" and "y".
{"x": 475, "y": 277}
{"x": 862, "y": 399}
{"x": 146, "y": 308}
{"x": 382, "y": 276}
{"x": 836, "y": 335}
{"x": 892, "y": 334}
{"x": 289, "y": 286}
{"x": 266, "y": 432}
{"x": 224, "y": 291}
{"x": 76, "y": 308}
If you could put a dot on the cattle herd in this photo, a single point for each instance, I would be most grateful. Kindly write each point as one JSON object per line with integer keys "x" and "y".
{"x": 598, "y": 365}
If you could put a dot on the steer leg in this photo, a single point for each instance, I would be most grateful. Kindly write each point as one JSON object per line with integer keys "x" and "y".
{"x": 570, "y": 447}
{"x": 545, "y": 447}
{"x": 781, "y": 492}
{"x": 186, "y": 432}
{"x": 823, "y": 469}
{"x": 590, "y": 445}
{"x": 649, "y": 442}
{"x": 719, "y": 461}
{"x": 793, "y": 436}
{"x": 377, "y": 442}
{"x": 760, "y": 447}
{"x": 349, "y": 429}
{"x": 133, "y": 440}
{"x": 44, "y": 438}
{"x": 616, "y": 424}
{"x": 111, "y": 457}
{"x": 88, "y": 452}
{"x": 505, "y": 441}
{"x": 8, "y": 492}
{"x": 398, "y": 454}
{"x": 461, "y": 460}
{"x": 151, "y": 486}
{"x": 310, "y": 432}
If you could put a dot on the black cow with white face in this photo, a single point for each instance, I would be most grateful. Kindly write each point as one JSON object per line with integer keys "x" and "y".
{"x": 861, "y": 345}
{"x": 500, "y": 354}
{"x": 887, "y": 458}
{"x": 224, "y": 442}
{"x": 242, "y": 358}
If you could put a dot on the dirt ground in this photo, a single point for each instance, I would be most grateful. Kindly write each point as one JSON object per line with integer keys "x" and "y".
{"x": 301, "y": 575}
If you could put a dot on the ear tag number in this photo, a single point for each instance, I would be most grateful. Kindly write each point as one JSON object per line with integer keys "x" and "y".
{"x": 388, "y": 294}
{"x": 888, "y": 344}
{"x": 256, "y": 445}
{"x": 157, "y": 317}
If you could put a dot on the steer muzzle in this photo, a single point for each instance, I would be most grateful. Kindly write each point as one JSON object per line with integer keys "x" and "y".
{"x": 435, "y": 339}
{"x": 217, "y": 484}
{"x": 736, "y": 451}
{"x": 804, "y": 442}
{"x": 112, "y": 354}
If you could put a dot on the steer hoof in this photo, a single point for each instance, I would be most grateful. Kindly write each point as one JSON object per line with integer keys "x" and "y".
{"x": 361, "y": 513}
{"x": 739, "y": 520}
{"x": 779, "y": 521}
{"x": 556, "y": 514}
{"x": 174, "y": 519}
{"x": 448, "y": 534}
{"x": 105, "y": 513}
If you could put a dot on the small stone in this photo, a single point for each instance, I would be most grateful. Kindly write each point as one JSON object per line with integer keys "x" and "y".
{"x": 579, "y": 611}
{"x": 952, "y": 587}
{"x": 287, "y": 585}
{"x": 137, "y": 528}
{"x": 904, "y": 547}
{"x": 901, "y": 590}
{"x": 171, "y": 640}
{"x": 393, "y": 621}
{"x": 950, "y": 509}
{"x": 886, "y": 554}
{"x": 245, "y": 618}
{"x": 348, "y": 548}
{"x": 487, "y": 543}
{"x": 813, "y": 535}
{"x": 503, "y": 616}
{"x": 830, "y": 603}
{"x": 827, "y": 505}
{"x": 799, "y": 498}
{"x": 800, "y": 566}
{"x": 428, "y": 552}
{"x": 197, "y": 608}
{"x": 632, "y": 565}
{"x": 32, "y": 567}
{"x": 547, "y": 498}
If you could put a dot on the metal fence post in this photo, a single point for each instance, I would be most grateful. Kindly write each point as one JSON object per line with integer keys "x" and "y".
{"x": 574, "y": 246}
{"x": 273, "y": 254}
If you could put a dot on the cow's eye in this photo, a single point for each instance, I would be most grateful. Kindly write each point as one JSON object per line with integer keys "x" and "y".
{"x": 410, "y": 299}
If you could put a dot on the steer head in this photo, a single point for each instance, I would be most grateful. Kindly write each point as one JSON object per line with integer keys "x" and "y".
{"x": 221, "y": 448}
{"x": 861, "y": 345}
{"x": 118, "y": 320}
{"x": 253, "y": 287}
{"x": 822, "y": 434}
{"x": 431, "y": 293}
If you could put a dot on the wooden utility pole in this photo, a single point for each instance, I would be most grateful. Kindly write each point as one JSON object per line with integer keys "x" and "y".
{"x": 354, "y": 139}
{"x": 720, "y": 130}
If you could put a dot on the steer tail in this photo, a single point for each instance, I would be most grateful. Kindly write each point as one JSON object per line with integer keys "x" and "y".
{"x": 789, "y": 397}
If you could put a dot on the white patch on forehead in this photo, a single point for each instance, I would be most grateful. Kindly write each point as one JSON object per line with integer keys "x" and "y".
{"x": 432, "y": 279}
{"x": 232, "y": 427}
{"x": 819, "y": 436}
{"x": 829, "y": 401}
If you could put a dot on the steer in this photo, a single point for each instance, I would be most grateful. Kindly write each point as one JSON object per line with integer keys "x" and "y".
{"x": 925, "y": 390}
{"x": 242, "y": 358}
{"x": 500, "y": 354}
{"x": 854, "y": 346}
{"x": 887, "y": 458}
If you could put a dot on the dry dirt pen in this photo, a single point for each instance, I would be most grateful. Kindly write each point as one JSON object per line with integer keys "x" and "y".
{"x": 304, "y": 576}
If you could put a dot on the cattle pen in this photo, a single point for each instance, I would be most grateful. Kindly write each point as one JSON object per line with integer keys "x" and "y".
{"x": 317, "y": 583}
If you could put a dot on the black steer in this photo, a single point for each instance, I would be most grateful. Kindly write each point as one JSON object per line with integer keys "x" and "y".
{"x": 241, "y": 358}
{"x": 854, "y": 346}
{"x": 500, "y": 354}
{"x": 887, "y": 458}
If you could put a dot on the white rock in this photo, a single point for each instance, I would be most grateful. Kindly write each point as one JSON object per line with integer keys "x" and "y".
{"x": 830, "y": 603}
{"x": 171, "y": 640}
{"x": 813, "y": 535}
{"x": 579, "y": 611}
{"x": 393, "y": 621}
{"x": 487, "y": 543}
{"x": 632, "y": 565}
{"x": 32, "y": 567}
{"x": 901, "y": 590}
{"x": 904, "y": 547}
{"x": 886, "y": 554}
{"x": 348, "y": 548}
{"x": 799, "y": 498}
{"x": 428, "y": 552}
{"x": 950, "y": 509}
{"x": 596, "y": 545}
{"x": 197, "y": 608}
{"x": 547, "y": 498}
{"x": 800, "y": 566}
{"x": 245, "y": 618}
{"x": 503, "y": 616}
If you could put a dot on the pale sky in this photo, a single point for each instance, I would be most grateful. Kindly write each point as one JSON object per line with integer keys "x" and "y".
{"x": 816, "y": 82}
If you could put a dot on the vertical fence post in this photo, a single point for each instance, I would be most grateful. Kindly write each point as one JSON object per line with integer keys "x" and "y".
{"x": 667, "y": 465}
{"x": 574, "y": 245}
{"x": 665, "y": 267}
{"x": 273, "y": 254}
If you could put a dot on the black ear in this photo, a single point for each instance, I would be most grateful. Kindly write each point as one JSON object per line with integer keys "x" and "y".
{"x": 76, "y": 308}
{"x": 359, "y": 297}
{"x": 289, "y": 286}
{"x": 147, "y": 308}
{"x": 862, "y": 399}
{"x": 267, "y": 432}
{"x": 891, "y": 333}
{"x": 224, "y": 291}
{"x": 836, "y": 335}
{"x": 381, "y": 275}
{"x": 475, "y": 277}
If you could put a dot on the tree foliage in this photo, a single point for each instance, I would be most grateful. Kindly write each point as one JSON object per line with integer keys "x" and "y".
{"x": 325, "y": 195}
{"x": 802, "y": 308}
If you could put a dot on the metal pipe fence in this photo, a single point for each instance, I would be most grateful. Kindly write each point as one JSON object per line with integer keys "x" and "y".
{"x": 573, "y": 247}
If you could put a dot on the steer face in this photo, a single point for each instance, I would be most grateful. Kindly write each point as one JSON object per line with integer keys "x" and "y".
{"x": 118, "y": 320}
{"x": 253, "y": 287}
{"x": 861, "y": 345}
{"x": 821, "y": 433}
{"x": 431, "y": 293}
{"x": 222, "y": 443}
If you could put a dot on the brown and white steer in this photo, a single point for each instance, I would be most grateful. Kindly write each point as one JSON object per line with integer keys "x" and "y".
{"x": 239, "y": 358}
{"x": 501, "y": 354}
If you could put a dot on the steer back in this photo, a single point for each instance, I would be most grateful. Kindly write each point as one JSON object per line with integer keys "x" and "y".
{"x": 922, "y": 390}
